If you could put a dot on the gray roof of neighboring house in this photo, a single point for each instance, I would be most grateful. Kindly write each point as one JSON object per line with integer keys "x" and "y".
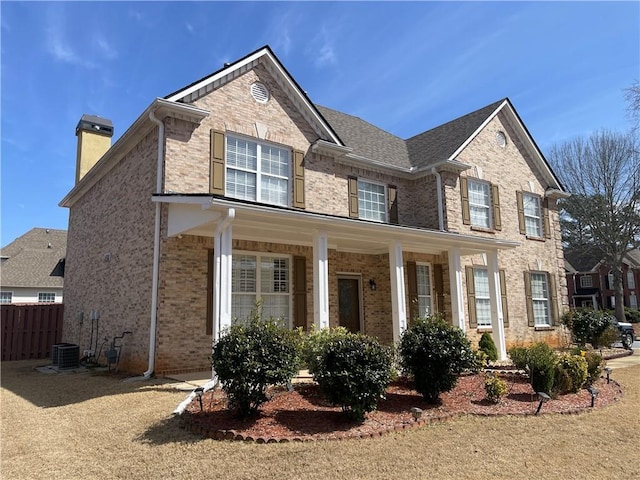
{"x": 588, "y": 261}
{"x": 421, "y": 150}
{"x": 36, "y": 259}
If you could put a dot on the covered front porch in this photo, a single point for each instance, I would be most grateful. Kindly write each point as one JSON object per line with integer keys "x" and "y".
{"x": 356, "y": 270}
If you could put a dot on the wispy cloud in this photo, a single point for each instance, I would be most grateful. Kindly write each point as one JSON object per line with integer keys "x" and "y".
{"x": 105, "y": 48}
{"x": 57, "y": 43}
{"x": 189, "y": 27}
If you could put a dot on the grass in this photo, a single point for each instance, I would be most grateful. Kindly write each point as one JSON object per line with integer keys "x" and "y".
{"x": 72, "y": 426}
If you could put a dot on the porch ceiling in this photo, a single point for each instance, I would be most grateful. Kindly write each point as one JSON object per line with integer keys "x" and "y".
{"x": 199, "y": 215}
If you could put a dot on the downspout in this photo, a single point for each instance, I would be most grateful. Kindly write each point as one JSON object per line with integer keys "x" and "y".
{"x": 156, "y": 252}
{"x": 439, "y": 196}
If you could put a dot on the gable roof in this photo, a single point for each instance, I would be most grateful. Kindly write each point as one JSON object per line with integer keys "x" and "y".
{"x": 36, "y": 259}
{"x": 588, "y": 260}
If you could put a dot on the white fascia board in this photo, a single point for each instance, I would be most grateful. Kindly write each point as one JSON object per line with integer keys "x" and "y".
{"x": 320, "y": 221}
{"x": 128, "y": 139}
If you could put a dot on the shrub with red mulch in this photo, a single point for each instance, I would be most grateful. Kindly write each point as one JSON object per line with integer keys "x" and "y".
{"x": 303, "y": 414}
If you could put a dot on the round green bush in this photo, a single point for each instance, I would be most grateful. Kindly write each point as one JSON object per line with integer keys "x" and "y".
{"x": 434, "y": 353}
{"x": 520, "y": 357}
{"x": 488, "y": 346}
{"x": 571, "y": 373}
{"x": 353, "y": 371}
{"x": 250, "y": 357}
{"x": 586, "y": 325}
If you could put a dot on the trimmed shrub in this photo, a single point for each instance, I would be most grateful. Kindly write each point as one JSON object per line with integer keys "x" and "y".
{"x": 487, "y": 345}
{"x": 632, "y": 315}
{"x": 252, "y": 356}
{"x": 433, "y": 353}
{"x": 313, "y": 344}
{"x": 586, "y": 325}
{"x": 520, "y": 357}
{"x": 495, "y": 388}
{"x": 571, "y": 373}
{"x": 595, "y": 365}
{"x": 607, "y": 338}
{"x": 541, "y": 364}
{"x": 353, "y": 371}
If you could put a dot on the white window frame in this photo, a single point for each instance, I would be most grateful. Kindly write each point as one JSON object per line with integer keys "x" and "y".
{"x": 631, "y": 280}
{"x": 258, "y": 172}
{"x": 536, "y": 216}
{"x": 258, "y": 293}
{"x": 633, "y": 300}
{"x": 4, "y": 295}
{"x": 584, "y": 283}
{"x": 426, "y": 298}
{"x": 41, "y": 296}
{"x": 474, "y": 206}
{"x": 362, "y": 211}
{"x": 482, "y": 299}
{"x": 544, "y": 301}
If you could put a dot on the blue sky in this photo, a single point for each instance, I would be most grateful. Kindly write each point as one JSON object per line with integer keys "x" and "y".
{"x": 405, "y": 67}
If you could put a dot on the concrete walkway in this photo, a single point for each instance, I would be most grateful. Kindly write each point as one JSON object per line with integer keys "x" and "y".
{"x": 627, "y": 361}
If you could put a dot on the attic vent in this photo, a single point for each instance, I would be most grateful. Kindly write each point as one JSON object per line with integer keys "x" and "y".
{"x": 501, "y": 139}
{"x": 259, "y": 92}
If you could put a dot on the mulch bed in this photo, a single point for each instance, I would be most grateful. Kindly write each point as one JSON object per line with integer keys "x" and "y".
{"x": 304, "y": 415}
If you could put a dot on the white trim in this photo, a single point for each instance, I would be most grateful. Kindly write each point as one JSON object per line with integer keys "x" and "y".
{"x": 398, "y": 298}
{"x": 320, "y": 280}
{"x": 477, "y": 131}
{"x": 429, "y": 266}
{"x": 457, "y": 297}
{"x": 497, "y": 315}
{"x": 385, "y": 204}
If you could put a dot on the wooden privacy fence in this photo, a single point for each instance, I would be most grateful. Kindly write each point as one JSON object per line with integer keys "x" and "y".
{"x": 29, "y": 331}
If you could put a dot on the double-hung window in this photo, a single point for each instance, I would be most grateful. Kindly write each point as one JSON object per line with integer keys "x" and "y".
{"x": 483, "y": 301}
{"x": 540, "y": 298}
{"x": 479, "y": 203}
{"x": 423, "y": 282}
{"x": 257, "y": 171}
{"x": 46, "y": 297}
{"x": 263, "y": 278}
{"x": 372, "y": 203}
{"x": 532, "y": 215}
{"x": 631, "y": 281}
{"x": 6, "y": 297}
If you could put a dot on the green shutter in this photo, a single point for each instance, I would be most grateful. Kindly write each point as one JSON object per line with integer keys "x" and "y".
{"x": 217, "y": 166}
{"x": 300, "y": 292}
{"x": 545, "y": 216}
{"x": 529, "y": 299}
{"x": 553, "y": 298}
{"x": 521, "y": 222}
{"x": 393, "y": 203}
{"x": 353, "y": 197}
{"x": 412, "y": 285}
{"x": 298, "y": 179}
{"x": 471, "y": 298}
{"x": 503, "y": 296}
{"x": 464, "y": 193}
{"x": 495, "y": 200}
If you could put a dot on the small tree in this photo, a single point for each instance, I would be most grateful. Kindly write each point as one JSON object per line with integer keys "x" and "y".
{"x": 252, "y": 356}
{"x": 488, "y": 346}
{"x": 434, "y": 353}
{"x": 587, "y": 325}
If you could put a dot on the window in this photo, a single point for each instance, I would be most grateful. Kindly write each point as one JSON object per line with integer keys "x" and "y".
{"x": 423, "y": 277}
{"x": 372, "y": 204}
{"x": 483, "y": 302}
{"x": 260, "y": 278}
{"x": 540, "y": 298}
{"x": 586, "y": 281}
{"x": 6, "y": 297}
{"x": 257, "y": 171}
{"x": 610, "y": 284}
{"x": 631, "y": 281}
{"x": 633, "y": 301}
{"x": 532, "y": 215}
{"x": 479, "y": 203}
{"x": 46, "y": 297}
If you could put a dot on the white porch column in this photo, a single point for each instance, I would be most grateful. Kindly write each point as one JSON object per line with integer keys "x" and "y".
{"x": 398, "y": 298}
{"x": 497, "y": 316}
{"x": 457, "y": 297}
{"x": 320, "y": 280}
{"x": 222, "y": 258}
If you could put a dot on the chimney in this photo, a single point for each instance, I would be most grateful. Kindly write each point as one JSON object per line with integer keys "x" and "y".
{"x": 94, "y": 139}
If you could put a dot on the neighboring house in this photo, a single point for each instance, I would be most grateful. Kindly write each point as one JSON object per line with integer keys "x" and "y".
{"x": 32, "y": 268}
{"x": 590, "y": 280}
{"x": 239, "y": 188}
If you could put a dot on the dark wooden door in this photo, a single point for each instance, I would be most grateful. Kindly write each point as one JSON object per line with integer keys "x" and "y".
{"x": 349, "y": 303}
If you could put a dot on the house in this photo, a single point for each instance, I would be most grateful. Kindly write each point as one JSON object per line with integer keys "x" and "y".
{"x": 238, "y": 188}
{"x": 590, "y": 280}
{"x": 32, "y": 268}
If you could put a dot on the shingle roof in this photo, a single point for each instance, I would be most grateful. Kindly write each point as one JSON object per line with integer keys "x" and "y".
{"x": 441, "y": 142}
{"x": 34, "y": 259}
{"x": 587, "y": 261}
{"x": 424, "y": 149}
{"x": 367, "y": 140}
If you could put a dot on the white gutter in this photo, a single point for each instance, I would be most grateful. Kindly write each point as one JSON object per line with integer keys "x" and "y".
{"x": 439, "y": 195}
{"x": 156, "y": 252}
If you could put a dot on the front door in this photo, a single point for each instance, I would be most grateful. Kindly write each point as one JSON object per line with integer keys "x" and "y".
{"x": 349, "y": 303}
